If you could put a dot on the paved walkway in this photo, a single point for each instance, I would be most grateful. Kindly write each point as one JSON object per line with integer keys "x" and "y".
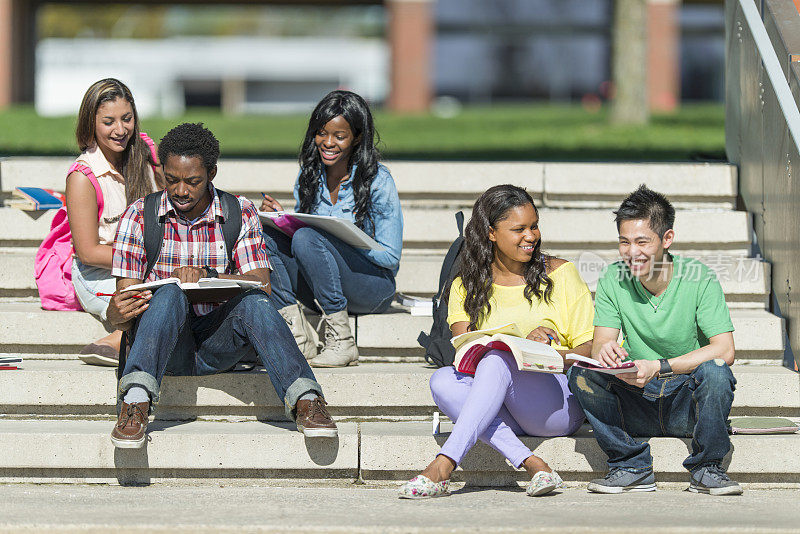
{"x": 347, "y": 508}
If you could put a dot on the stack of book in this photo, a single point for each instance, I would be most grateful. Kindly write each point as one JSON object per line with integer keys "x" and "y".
{"x": 35, "y": 199}
{"x": 416, "y": 305}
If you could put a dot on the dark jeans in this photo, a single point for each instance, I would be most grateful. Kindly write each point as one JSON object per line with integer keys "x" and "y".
{"x": 686, "y": 406}
{"x": 315, "y": 265}
{"x": 171, "y": 339}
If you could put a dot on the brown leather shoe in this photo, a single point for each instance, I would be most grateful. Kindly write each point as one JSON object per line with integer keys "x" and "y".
{"x": 129, "y": 432}
{"x": 313, "y": 420}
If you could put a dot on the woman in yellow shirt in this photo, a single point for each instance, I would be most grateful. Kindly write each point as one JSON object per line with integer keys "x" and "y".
{"x": 504, "y": 277}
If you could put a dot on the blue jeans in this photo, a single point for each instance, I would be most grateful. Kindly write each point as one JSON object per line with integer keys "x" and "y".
{"x": 315, "y": 265}
{"x": 170, "y": 339}
{"x": 694, "y": 406}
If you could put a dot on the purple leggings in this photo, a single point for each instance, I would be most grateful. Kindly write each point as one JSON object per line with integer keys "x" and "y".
{"x": 500, "y": 403}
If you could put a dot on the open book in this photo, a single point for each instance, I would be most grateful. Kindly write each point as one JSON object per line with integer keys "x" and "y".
{"x": 529, "y": 355}
{"x": 344, "y": 229}
{"x": 204, "y": 290}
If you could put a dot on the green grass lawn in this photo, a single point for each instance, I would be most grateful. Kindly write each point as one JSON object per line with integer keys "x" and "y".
{"x": 508, "y": 132}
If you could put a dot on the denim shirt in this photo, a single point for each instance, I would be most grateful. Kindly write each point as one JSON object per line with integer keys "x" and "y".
{"x": 385, "y": 212}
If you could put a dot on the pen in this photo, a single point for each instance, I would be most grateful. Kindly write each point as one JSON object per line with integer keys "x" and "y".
{"x": 269, "y": 201}
{"x": 112, "y": 294}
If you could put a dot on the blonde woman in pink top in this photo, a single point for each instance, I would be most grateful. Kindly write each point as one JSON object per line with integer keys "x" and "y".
{"x": 121, "y": 161}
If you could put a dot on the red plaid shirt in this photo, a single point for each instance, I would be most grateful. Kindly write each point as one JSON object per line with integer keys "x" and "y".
{"x": 186, "y": 244}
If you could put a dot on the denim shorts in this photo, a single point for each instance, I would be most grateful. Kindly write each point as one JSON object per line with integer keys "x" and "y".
{"x": 88, "y": 281}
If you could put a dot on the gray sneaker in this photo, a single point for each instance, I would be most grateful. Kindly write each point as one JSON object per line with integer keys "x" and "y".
{"x": 712, "y": 479}
{"x": 619, "y": 480}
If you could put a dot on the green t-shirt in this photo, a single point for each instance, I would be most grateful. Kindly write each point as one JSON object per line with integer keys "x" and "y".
{"x": 680, "y": 320}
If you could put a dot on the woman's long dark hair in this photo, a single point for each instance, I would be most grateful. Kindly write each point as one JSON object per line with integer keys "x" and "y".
{"x": 365, "y": 156}
{"x": 478, "y": 253}
{"x": 136, "y": 159}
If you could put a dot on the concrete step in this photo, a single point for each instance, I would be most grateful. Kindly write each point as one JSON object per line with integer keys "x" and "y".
{"x": 82, "y": 450}
{"x": 745, "y": 281}
{"x": 349, "y": 506}
{"x": 400, "y": 450}
{"x": 604, "y": 185}
{"x": 759, "y": 334}
{"x": 584, "y": 229}
{"x": 366, "y": 391}
{"x": 26, "y": 328}
{"x": 689, "y": 185}
{"x": 562, "y": 230}
{"x": 63, "y": 450}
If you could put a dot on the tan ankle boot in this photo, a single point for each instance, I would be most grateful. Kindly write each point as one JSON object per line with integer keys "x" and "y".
{"x": 303, "y": 334}
{"x": 340, "y": 348}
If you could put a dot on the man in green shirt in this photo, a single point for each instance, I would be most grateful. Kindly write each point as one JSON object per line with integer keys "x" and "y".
{"x": 678, "y": 332}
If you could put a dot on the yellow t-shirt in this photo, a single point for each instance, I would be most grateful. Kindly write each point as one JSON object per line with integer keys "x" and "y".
{"x": 570, "y": 312}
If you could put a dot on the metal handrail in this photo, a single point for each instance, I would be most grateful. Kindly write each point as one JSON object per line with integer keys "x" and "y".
{"x": 773, "y": 68}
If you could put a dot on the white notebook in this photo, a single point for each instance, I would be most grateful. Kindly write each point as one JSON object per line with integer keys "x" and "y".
{"x": 344, "y": 229}
{"x": 204, "y": 290}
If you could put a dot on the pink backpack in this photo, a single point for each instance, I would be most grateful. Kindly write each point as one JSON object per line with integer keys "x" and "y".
{"x": 53, "y": 262}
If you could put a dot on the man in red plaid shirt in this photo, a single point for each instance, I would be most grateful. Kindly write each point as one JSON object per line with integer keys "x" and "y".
{"x": 172, "y": 336}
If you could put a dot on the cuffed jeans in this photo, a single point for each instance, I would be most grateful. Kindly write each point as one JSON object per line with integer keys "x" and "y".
{"x": 694, "y": 406}
{"x": 170, "y": 339}
{"x": 313, "y": 264}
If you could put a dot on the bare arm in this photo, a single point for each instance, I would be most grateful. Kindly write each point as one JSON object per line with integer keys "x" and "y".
{"x": 82, "y": 213}
{"x": 719, "y": 347}
{"x": 461, "y": 327}
{"x": 605, "y": 348}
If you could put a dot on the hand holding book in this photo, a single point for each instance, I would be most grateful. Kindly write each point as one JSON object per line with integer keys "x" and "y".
{"x": 530, "y": 355}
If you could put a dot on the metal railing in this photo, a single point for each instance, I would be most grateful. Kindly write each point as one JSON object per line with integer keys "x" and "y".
{"x": 762, "y": 136}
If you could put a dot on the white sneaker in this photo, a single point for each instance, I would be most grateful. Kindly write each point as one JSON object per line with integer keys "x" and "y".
{"x": 543, "y": 483}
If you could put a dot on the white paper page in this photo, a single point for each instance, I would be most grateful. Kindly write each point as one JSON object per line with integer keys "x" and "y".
{"x": 206, "y": 283}
{"x": 153, "y": 284}
{"x": 344, "y": 229}
{"x": 535, "y": 347}
{"x": 510, "y": 329}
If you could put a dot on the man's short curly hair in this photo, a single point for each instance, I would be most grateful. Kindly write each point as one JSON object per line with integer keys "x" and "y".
{"x": 190, "y": 139}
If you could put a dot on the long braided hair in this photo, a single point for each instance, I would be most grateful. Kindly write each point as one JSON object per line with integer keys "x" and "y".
{"x": 365, "y": 156}
{"x": 478, "y": 253}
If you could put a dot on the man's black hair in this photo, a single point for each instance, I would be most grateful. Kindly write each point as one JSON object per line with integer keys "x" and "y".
{"x": 190, "y": 139}
{"x": 645, "y": 203}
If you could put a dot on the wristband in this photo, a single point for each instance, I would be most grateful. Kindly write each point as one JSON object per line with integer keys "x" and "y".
{"x": 666, "y": 369}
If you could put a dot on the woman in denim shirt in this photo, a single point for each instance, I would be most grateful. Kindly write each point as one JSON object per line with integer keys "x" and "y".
{"x": 339, "y": 176}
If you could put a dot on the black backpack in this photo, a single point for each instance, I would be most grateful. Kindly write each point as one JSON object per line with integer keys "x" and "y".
{"x": 154, "y": 239}
{"x": 438, "y": 349}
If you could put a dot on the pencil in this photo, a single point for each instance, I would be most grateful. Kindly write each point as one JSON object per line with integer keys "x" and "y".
{"x": 112, "y": 294}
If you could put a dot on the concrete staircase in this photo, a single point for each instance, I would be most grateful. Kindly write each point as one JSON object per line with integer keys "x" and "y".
{"x": 58, "y": 412}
